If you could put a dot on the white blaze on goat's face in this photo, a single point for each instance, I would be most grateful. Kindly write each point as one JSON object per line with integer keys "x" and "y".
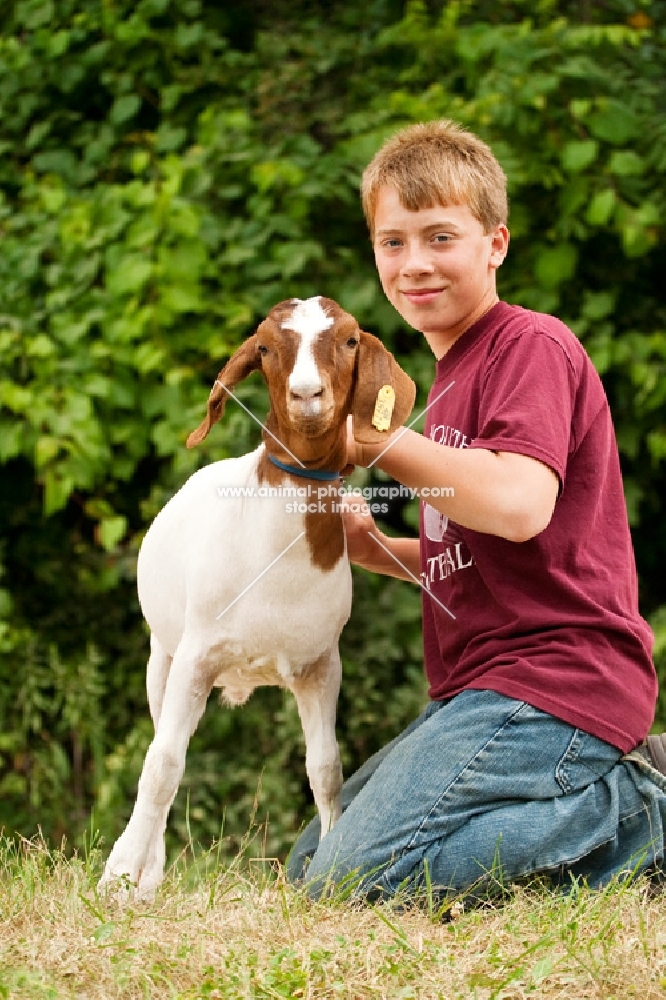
{"x": 308, "y": 320}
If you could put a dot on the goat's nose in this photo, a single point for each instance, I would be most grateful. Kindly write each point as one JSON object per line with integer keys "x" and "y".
{"x": 306, "y": 391}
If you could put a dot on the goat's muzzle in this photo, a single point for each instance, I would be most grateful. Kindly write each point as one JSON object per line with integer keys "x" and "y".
{"x": 310, "y": 410}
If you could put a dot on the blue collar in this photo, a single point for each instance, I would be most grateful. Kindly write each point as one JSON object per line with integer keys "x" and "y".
{"x": 305, "y": 473}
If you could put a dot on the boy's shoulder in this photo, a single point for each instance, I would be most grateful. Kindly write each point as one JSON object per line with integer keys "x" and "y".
{"x": 516, "y": 323}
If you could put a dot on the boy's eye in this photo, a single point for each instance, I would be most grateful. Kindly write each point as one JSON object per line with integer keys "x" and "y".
{"x": 441, "y": 238}
{"x": 390, "y": 243}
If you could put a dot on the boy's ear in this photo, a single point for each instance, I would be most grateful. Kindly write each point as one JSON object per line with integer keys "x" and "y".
{"x": 246, "y": 360}
{"x": 375, "y": 368}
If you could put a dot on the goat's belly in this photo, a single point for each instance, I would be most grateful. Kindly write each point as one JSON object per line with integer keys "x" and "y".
{"x": 237, "y": 681}
{"x": 280, "y": 625}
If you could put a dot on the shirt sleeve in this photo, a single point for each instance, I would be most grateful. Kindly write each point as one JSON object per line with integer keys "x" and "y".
{"x": 527, "y": 401}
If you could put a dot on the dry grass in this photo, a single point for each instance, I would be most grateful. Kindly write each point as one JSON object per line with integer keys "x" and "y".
{"x": 237, "y": 933}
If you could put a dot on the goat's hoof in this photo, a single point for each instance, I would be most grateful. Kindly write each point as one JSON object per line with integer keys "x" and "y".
{"x": 120, "y": 887}
{"x": 117, "y": 887}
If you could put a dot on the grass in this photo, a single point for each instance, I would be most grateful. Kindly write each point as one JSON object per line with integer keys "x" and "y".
{"x": 240, "y": 931}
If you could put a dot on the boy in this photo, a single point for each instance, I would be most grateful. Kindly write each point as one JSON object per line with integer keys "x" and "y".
{"x": 540, "y": 669}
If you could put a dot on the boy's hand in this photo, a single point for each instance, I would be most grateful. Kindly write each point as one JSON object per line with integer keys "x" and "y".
{"x": 359, "y": 527}
{"x": 360, "y": 454}
{"x": 368, "y": 547}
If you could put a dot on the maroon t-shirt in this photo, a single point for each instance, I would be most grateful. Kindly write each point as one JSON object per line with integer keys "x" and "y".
{"x": 552, "y": 621}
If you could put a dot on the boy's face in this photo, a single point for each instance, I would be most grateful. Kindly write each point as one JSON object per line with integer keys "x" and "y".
{"x": 437, "y": 266}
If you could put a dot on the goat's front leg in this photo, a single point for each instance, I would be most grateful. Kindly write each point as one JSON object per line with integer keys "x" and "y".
{"x": 138, "y": 854}
{"x": 316, "y": 695}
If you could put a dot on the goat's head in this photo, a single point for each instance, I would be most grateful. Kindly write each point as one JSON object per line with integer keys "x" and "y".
{"x": 319, "y": 366}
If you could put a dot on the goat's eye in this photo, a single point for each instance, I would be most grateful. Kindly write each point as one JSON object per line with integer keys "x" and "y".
{"x": 352, "y": 342}
{"x": 262, "y": 349}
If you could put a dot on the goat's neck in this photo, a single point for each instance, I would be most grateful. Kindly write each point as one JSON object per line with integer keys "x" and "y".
{"x": 324, "y": 533}
{"x": 326, "y": 451}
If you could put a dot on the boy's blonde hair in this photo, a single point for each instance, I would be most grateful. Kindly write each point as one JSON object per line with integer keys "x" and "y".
{"x": 438, "y": 163}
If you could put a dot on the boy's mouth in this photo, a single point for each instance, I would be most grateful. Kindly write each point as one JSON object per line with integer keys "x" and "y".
{"x": 421, "y": 295}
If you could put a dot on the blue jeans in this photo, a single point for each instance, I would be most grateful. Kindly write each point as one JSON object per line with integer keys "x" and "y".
{"x": 484, "y": 784}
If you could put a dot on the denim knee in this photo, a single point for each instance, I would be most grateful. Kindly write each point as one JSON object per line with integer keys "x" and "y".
{"x": 484, "y": 771}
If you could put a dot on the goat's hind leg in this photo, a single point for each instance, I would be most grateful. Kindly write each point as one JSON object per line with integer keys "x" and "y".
{"x": 138, "y": 854}
{"x": 316, "y": 695}
{"x": 157, "y": 674}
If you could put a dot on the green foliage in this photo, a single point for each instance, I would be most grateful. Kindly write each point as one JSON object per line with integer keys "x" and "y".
{"x": 172, "y": 168}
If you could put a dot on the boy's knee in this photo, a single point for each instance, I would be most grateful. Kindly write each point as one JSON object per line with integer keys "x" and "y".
{"x": 296, "y": 865}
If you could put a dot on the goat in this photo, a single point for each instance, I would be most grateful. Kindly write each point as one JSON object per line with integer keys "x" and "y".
{"x": 237, "y": 591}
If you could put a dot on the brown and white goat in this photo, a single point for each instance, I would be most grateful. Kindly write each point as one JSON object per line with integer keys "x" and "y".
{"x": 237, "y": 588}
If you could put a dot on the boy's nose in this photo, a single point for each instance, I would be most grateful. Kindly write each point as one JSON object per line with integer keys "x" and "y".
{"x": 416, "y": 260}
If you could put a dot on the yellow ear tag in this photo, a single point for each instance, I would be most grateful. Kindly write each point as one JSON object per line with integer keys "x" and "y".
{"x": 381, "y": 418}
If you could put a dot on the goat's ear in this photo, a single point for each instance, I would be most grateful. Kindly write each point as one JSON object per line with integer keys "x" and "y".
{"x": 246, "y": 360}
{"x": 376, "y": 367}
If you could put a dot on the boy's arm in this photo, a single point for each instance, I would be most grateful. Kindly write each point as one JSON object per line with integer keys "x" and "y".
{"x": 370, "y": 548}
{"x": 500, "y": 493}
